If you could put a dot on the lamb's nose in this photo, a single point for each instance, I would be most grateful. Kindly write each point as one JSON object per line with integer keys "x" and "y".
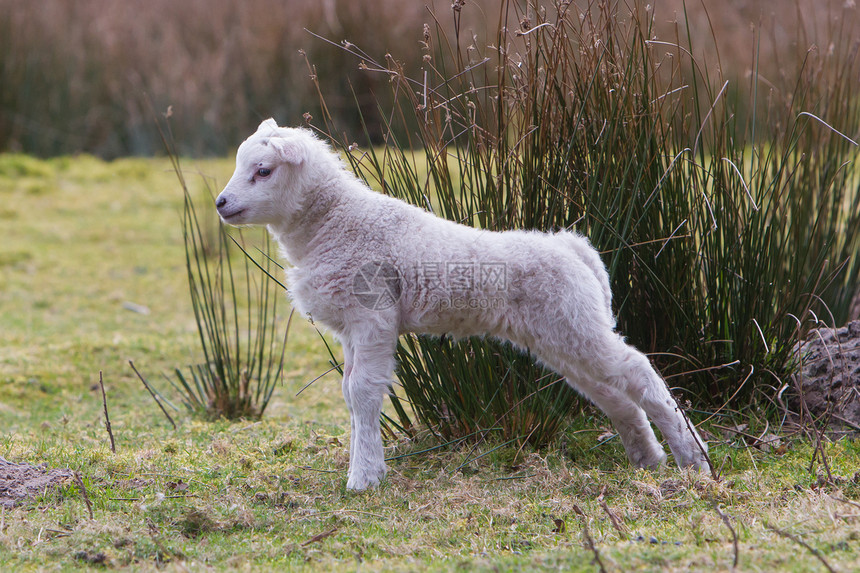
{"x": 220, "y": 202}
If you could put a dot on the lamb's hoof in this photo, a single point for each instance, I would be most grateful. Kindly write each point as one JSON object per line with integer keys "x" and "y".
{"x": 699, "y": 464}
{"x": 652, "y": 459}
{"x": 694, "y": 459}
{"x": 362, "y": 480}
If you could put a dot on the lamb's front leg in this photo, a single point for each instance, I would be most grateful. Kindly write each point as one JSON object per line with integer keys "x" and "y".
{"x": 347, "y": 371}
{"x": 365, "y": 387}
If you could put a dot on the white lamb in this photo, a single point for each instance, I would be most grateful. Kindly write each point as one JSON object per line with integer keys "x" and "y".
{"x": 371, "y": 267}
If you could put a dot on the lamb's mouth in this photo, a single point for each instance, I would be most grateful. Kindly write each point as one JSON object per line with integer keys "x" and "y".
{"x": 227, "y": 216}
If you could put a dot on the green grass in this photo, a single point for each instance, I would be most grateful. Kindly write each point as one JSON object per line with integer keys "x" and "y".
{"x": 82, "y": 237}
{"x": 100, "y": 235}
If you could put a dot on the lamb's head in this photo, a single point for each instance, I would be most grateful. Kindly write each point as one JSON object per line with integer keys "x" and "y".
{"x": 270, "y": 178}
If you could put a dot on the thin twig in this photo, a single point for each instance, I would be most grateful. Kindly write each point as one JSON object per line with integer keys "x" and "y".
{"x": 306, "y": 386}
{"x": 754, "y": 440}
{"x": 151, "y": 393}
{"x": 728, "y": 523}
{"x": 320, "y": 536}
{"x": 843, "y": 500}
{"x": 616, "y": 523}
{"x": 847, "y": 422}
{"x": 107, "y": 418}
{"x": 309, "y": 468}
{"x": 695, "y": 436}
{"x": 506, "y": 478}
{"x": 801, "y": 542}
{"x": 589, "y": 542}
{"x": 80, "y": 483}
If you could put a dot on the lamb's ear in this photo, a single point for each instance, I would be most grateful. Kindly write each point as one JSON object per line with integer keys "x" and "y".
{"x": 289, "y": 150}
{"x": 269, "y": 125}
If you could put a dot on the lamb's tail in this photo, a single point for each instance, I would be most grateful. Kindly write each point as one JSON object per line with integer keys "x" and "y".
{"x": 589, "y": 255}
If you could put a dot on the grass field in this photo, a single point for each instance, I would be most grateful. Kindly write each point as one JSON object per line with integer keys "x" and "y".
{"x": 92, "y": 275}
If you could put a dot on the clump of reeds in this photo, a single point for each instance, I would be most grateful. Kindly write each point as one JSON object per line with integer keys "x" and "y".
{"x": 727, "y": 213}
{"x": 236, "y": 313}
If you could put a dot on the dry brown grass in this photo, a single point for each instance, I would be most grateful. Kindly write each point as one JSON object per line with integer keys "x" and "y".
{"x": 76, "y": 76}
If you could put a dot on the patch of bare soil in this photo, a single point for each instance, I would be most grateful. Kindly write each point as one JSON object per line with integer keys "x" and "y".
{"x": 830, "y": 377}
{"x": 21, "y": 481}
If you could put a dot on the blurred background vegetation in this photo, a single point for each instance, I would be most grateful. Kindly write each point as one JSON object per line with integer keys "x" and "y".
{"x": 77, "y": 76}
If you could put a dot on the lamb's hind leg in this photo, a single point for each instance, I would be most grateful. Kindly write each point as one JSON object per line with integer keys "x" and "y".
{"x": 629, "y": 420}
{"x": 630, "y": 371}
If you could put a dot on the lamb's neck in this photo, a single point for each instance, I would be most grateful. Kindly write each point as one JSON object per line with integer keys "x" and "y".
{"x": 302, "y": 234}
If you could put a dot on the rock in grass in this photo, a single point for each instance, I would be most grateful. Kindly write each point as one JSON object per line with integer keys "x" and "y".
{"x": 134, "y": 307}
{"x": 830, "y": 375}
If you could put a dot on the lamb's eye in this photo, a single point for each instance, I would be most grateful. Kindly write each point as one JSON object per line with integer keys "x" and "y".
{"x": 263, "y": 172}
